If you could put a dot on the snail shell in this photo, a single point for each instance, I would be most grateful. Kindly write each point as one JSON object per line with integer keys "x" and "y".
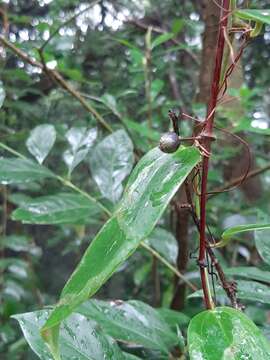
{"x": 169, "y": 142}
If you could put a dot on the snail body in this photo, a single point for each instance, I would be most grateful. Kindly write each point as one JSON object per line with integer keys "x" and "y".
{"x": 169, "y": 142}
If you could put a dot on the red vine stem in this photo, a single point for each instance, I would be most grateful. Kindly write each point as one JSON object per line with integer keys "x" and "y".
{"x": 207, "y": 136}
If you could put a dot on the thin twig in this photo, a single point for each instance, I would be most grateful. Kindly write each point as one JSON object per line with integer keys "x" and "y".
{"x": 59, "y": 79}
{"x": 165, "y": 262}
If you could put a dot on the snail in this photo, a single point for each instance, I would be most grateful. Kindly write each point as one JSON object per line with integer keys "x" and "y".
{"x": 169, "y": 142}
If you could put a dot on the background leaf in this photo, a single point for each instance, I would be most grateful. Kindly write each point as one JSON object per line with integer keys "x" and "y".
{"x": 80, "y": 140}
{"x": 80, "y": 338}
{"x": 161, "y": 39}
{"x": 131, "y": 321}
{"x": 246, "y": 290}
{"x": 15, "y": 171}
{"x": 40, "y": 141}
{"x": 110, "y": 162}
{"x": 261, "y": 15}
{"x": 2, "y": 94}
{"x": 164, "y": 243}
{"x": 230, "y": 233}
{"x": 61, "y": 208}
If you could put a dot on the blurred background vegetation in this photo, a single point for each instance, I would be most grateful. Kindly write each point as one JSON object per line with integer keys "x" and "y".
{"x": 131, "y": 61}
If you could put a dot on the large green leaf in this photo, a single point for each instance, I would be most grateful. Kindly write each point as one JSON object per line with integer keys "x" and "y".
{"x": 152, "y": 184}
{"x": 261, "y": 15}
{"x": 249, "y": 273}
{"x": 164, "y": 243}
{"x": 40, "y": 141}
{"x": 246, "y": 290}
{"x": 227, "y": 334}
{"x": 80, "y": 338}
{"x": 62, "y": 208}
{"x": 110, "y": 162}
{"x": 80, "y": 140}
{"x": 230, "y": 233}
{"x": 150, "y": 188}
{"x": 14, "y": 171}
{"x": 132, "y": 321}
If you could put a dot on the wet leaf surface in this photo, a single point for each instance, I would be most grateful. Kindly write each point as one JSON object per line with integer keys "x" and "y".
{"x": 61, "y": 208}
{"x": 40, "y": 141}
{"x": 153, "y": 183}
{"x": 80, "y": 338}
{"x": 110, "y": 162}
{"x": 15, "y": 171}
{"x": 225, "y": 333}
{"x": 131, "y": 321}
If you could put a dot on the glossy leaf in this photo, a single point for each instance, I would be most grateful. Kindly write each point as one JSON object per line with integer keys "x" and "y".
{"x": 246, "y": 290}
{"x": 80, "y": 338}
{"x": 40, "y": 141}
{"x": 225, "y": 333}
{"x": 230, "y": 233}
{"x": 161, "y": 39}
{"x": 152, "y": 184}
{"x": 80, "y": 140}
{"x": 110, "y": 162}
{"x": 20, "y": 243}
{"x": 61, "y": 208}
{"x": 262, "y": 15}
{"x": 131, "y": 321}
{"x": 164, "y": 243}
{"x": 2, "y": 94}
{"x": 249, "y": 273}
{"x": 15, "y": 171}
{"x": 263, "y": 245}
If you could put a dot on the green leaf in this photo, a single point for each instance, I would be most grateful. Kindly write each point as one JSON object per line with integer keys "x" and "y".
{"x": 162, "y": 39}
{"x": 261, "y": 15}
{"x": 156, "y": 87}
{"x": 80, "y": 140}
{"x": 152, "y": 185}
{"x": 262, "y": 245}
{"x": 150, "y": 188}
{"x": 174, "y": 318}
{"x": 80, "y": 338}
{"x": 230, "y": 233}
{"x": 246, "y": 290}
{"x": 249, "y": 273}
{"x": 110, "y": 162}
{"x": 164, "y": 243}
{"x": 2, "y": 94}
{"x": 110, "y": 101}
{"x": 15, "y": 171}
{"x": 61, "y": 208}
{"x": 131, "y": 321}
{"x": 40, "y": 141}
{"x": 142, "y": 130}
{"x": 225, "y": 333}
{"x": 20, "y": 243}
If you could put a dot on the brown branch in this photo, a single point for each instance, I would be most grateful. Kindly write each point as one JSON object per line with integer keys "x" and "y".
{"x": 59, "y": 79}
{"x": 236, "y": 181}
